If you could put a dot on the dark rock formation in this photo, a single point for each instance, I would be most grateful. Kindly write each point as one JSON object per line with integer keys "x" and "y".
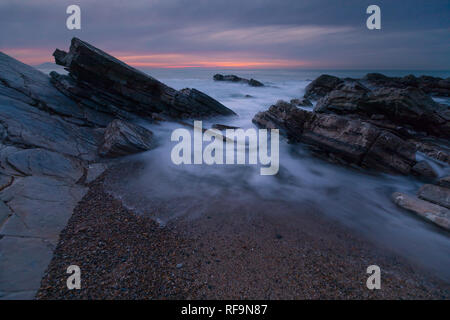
{"x": 433, "y": 149}
{"x": 410, "y": 107}
{"x": 423, "y": 169}
{"x": 123, "y": 138}
{"x": 100, "y": 82}
{"x": 444, "y": 182}
{"x": 431, "y": 85}
{"x": 233, "y": 78}
{"x": 321, "y": 86}
{"x": 302, "y": 102}
{"x": 223, "y": 127}
{"x": 350, "y": 140}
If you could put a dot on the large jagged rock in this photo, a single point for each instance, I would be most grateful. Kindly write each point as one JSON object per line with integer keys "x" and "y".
{"x": 351, "y": 140}
{"x": 233, "y": 78}
{"x": 409, "y": 107}
{"x": 432, "y": 85}
{"x": 101, "y": 82}
{"x": 23, "y": 83}
{"x": 124, "y": 138}
{"x": 321, "y": 86}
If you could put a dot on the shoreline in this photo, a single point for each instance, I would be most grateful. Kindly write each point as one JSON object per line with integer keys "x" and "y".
{"x": 123, "y": 255}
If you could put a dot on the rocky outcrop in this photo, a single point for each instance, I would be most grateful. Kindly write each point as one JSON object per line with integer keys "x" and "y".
{"x": 233, "y": 78}
{"x": 351, "y": 141}
{"x": 321, "y": 86}
{"x": 123, "y": 138}
{"x": 431, "y": 85}
{"x": 101, "y": 82}
{"x": 409, "y": 108}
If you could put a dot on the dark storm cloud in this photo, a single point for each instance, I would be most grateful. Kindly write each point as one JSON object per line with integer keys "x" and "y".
{"x": 322, "y": 32}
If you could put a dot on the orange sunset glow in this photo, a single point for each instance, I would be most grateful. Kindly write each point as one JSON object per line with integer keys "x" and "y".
{"x": 169, "y": 60}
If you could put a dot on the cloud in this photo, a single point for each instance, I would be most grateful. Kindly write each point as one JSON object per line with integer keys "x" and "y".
{"x": 320, "y": 33}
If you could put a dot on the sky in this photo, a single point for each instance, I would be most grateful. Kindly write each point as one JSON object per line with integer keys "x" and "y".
{"x": 310, "y": 34}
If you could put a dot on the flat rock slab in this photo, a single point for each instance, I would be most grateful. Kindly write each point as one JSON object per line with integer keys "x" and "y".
{"x": 435, "y": 194}
{"x": 41, "y": 206}
{"x": 37, "y": 209}
{"x": 94, "y": 171}
{"x": 22, "y": 265}
{"x": 427, "y": 210}
{"x": 46, "y": 163}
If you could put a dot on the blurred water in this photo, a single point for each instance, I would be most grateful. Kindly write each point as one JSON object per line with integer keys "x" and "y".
{"x": 360, "y": 200}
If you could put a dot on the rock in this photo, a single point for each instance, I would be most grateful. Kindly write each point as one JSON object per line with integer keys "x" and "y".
{"x": 21, "y": 82}
{"x": 94, "y": 170}
{"x": 223, "y": 127}
{"x": 33, "y": 114}
{"x": 432, "y": 150}
{"x": 124, "y": 138}
{"x": 101, "y": 82}
{"x": 302, "y": 102}
{"x": 255, "y": 83}
{"x": 321, "y": 86}
{"x": 435, "y": 194}
{"x": 41, "y": 206}
{"x": 46, "y": 139}
{"x": 423, "y": 169}
{"x": 390, "y": 153}
{"x": 351, "y": 140}
{"x": 444, "y": 182}
{"x": 408, "y": 107}
{"x": 5, "y": 213}
{"x": 46, "y": 163}
{"x": 5, "y": 180}
{"x": 28, "y": 258}
{"x": 233, "y": 78}
{"x": 430, "y": 85}
{"x": 347, "y": 97}
{"x": 429, "y": 211}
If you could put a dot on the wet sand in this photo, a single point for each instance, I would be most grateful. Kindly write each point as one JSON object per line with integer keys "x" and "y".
{"x": 237, "y": 255}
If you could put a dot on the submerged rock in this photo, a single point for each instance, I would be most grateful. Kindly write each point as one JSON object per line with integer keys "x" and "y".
{"x": 233, "y": 78}
{"x": 424, "y": 209}
{"x": 101, "y": 82}
{"x": 124, "y": 138}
